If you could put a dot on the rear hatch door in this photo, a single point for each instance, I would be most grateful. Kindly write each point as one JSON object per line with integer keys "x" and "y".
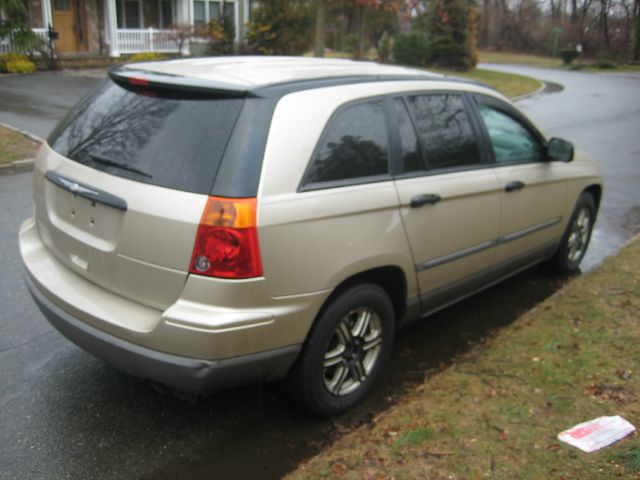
{"x": 122, "y": 184}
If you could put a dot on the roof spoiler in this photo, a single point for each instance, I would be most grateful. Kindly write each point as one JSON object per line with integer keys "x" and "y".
{"x": 138, "y": 80}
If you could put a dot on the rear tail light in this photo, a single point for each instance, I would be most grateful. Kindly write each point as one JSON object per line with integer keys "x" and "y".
{"x": 227, "y": 240}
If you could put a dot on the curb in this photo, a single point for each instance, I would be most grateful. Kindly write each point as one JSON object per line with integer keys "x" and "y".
{"x": 19, "y": 166}
{"x": 543, "y": 87}
{"x": 30, "y": 136}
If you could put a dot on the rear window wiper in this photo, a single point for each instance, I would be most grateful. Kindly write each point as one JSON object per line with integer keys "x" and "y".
{"x": 112, "y": 163}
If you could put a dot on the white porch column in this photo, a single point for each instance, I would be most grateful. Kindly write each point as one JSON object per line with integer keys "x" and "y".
{"x": 111, "y": 27}
{"x": 47, "y": 16}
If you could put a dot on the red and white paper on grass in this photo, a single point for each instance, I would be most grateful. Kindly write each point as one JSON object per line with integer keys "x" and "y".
{"x": 596, "y": 434}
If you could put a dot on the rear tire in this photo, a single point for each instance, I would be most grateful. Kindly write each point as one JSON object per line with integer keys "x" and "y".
{"x": 345, "y": 352}
{"x": 576, "y": 237}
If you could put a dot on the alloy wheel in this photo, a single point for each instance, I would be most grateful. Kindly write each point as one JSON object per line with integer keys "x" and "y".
{"x": 352, "y": 352}
{"x": 579, "y": 236}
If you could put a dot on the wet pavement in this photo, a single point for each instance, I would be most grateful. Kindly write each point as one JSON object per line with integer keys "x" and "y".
{"x": 36, "y": 103}
{"x": 65, "y": 414}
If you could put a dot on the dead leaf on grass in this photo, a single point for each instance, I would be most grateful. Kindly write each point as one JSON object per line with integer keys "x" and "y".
{"x": 623, "y": 374}
{"x": 615, "y": 393}
{"x": 338, "y": 469}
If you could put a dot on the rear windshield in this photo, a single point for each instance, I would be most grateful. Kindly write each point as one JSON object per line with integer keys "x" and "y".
{"x": 170, "y": 142}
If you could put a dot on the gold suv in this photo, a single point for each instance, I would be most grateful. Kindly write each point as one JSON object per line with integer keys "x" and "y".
{"x": 205, "y": 223}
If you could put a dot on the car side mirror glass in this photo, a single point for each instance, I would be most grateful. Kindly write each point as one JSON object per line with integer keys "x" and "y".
{"x": 560, "y": 150}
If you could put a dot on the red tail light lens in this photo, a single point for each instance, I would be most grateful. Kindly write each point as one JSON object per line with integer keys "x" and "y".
{"x": 227, "y": 240}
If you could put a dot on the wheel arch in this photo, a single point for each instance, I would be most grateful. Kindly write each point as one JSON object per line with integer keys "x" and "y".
{"x": 595, "y": 191}
{"x": 390, "y": 278}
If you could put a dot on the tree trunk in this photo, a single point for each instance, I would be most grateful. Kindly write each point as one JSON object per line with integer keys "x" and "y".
{"x": 604, "y": 20}
{"x": 320, "y": 27}
{"x": 361, "y": 32}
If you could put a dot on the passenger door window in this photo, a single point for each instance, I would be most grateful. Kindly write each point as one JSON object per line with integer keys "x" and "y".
{"x": 446, "y": 133}
{"x": 510, "y": 140}
{"x": 354, "y": 146}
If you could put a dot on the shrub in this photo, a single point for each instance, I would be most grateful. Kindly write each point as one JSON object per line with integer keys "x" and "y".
{"x": 16, "y": 63}
{"x": 260, "y": 38}
{"x": 569, "y": 55}
{"x": 280, "y": 27}
{"x": 147, "y": 57}
{"x": 385, "y": 47}
{"x": 411, "y": 49}
{"x": 220, "y": 34}
{"x": 349, "y": 43}
{"x": 606, "y": 64}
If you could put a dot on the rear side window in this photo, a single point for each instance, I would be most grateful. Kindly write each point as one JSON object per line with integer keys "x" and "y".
{"x": 354, "y": 146}
{"x": 446, "y": 134}
{"x": 170, "y": 142}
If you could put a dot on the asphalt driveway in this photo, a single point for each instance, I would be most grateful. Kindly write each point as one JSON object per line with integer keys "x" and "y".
{"x": 36, "y": 103}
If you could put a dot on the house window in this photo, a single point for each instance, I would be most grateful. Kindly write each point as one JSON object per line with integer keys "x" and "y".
{"x": 62, "y": 5}
{"x": 203, "y": 11}
{"x": 129, "y": 13}
{"x": 166, "y": 13}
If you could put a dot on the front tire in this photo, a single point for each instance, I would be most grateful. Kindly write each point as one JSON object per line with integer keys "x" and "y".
{"x": 576, "y": 237}
{"x": 345, "y": 352}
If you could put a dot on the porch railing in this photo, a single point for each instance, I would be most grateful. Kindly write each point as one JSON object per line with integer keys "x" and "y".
{"x": 147, "y": 40}
{"x": 6, "y": 43}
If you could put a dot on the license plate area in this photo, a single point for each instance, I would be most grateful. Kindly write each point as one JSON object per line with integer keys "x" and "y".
{"x": 85, "y": 220}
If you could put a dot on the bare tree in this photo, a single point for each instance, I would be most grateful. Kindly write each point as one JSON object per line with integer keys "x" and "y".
{"x": 181, "y": 34}
{"x": 605, "y": 7}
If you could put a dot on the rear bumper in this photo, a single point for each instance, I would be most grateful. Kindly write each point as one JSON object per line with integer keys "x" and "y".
{"x": 182, "y": 373}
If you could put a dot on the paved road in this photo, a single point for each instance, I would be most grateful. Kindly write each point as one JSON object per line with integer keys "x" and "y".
{"x": 65, "y": 414}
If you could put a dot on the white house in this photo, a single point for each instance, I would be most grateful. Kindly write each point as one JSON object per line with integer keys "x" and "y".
{"x": 115, "y": 27}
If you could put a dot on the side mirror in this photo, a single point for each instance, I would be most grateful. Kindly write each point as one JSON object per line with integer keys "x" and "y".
{"x": 560, "y": 150}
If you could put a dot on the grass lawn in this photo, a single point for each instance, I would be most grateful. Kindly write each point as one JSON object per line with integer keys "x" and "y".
{"x": 519, "y": 59}
{"x": 508, "y": 84}
{"x": 14, "y": 146}
{"x": 496, "y": 411}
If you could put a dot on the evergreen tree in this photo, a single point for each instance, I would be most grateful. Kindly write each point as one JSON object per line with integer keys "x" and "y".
{"x": 452, "y": 29}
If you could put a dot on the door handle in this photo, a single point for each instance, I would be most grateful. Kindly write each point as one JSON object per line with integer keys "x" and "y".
{"x": 428, "y": 199}
{"x": 513, "y": 186}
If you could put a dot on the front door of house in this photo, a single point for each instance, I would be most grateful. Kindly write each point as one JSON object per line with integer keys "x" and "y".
{"x": 69, "y": 22}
